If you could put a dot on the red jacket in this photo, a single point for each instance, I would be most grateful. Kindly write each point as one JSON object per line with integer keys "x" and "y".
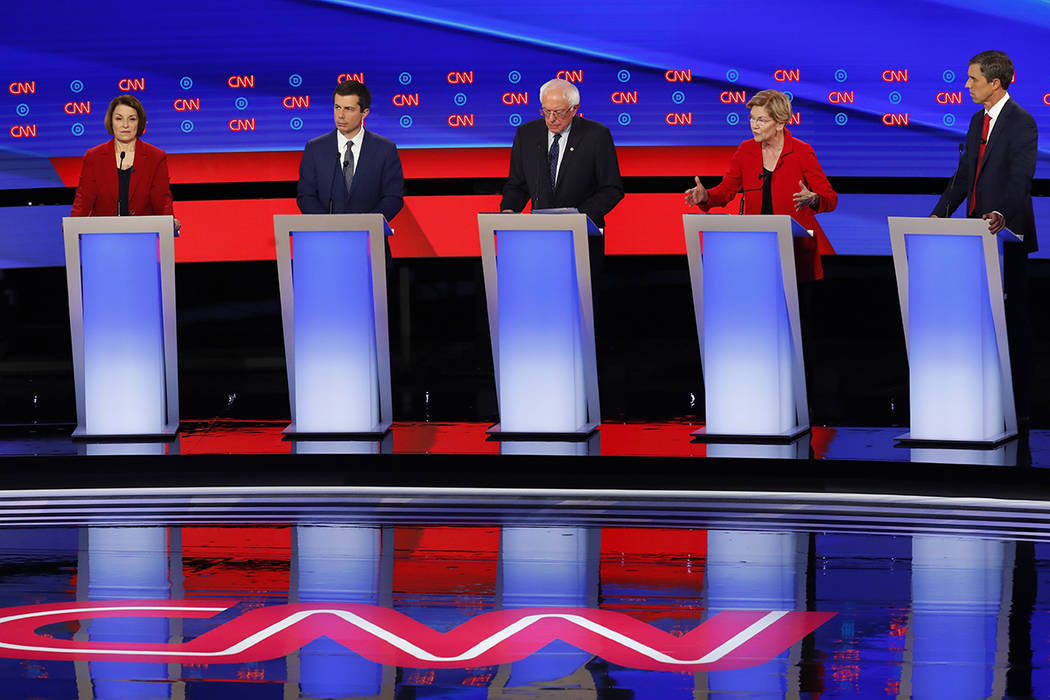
{"x": 797, "y": 162}
{"x": 150, "y": 191}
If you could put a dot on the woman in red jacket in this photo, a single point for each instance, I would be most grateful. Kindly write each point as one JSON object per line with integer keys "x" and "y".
{"x": 779, "y": 175}
{"x": 125, "y": 176}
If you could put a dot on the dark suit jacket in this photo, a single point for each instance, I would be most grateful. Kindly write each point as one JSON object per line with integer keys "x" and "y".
{"x": 378, "y": 186}
{"x": 589, "y": 177}
{"x": 1005, "y": 181}
{"x": 797, "y": 162}
{"x": 150, "y": 191}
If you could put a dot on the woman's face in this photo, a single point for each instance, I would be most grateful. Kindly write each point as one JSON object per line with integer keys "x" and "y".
{"x": 125, "y": 124}
{"x": 763, "y": 126}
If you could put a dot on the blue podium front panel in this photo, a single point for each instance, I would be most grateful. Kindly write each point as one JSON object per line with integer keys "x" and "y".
{"x": 955, "y": 378}
{"x": 747, "y": 354}
{"x": 336, "y": 375}
{"x": 541, "y": 372}
{"x": 123, "y": 334}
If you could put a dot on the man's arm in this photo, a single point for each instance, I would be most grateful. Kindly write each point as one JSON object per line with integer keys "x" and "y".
{"x": 392, "y": 186}
{"x": 516, "y": 190}
{"x": 609, "y": 189}
{"x": 1021, "y": 159}
{"x": 308, "y": 198}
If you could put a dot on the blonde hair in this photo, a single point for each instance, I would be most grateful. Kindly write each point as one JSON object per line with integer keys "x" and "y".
{"x": 776, "y": 103}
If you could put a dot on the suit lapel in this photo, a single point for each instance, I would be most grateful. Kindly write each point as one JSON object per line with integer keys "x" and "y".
{"x": 1001, "y": 127}
{"x": 568, "y": 159}
{"x": 141, "y": 160}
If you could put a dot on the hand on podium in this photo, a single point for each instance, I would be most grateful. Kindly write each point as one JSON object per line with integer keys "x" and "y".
{"x": 696, "y": 195}
{"x": 995, "y": 220}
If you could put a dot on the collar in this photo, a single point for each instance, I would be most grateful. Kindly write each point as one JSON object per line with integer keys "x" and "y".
{"x": 358, "y": 139}
{"x": 564, "y": 135}
{"x": 998, "y": 107}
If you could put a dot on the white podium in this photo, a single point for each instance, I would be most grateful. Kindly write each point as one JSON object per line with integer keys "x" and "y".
{"x": 745, "y": 297}
{"x": 120, "y": 273}
{"x": 949, "y": 279}
{"x": 541, "y": 322}
{"x": 336, "y": 335}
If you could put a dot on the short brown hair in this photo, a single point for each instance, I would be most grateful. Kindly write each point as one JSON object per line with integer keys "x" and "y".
{"x": 353, "y": 87}
{"x": 776, "y": 103}
{"x": 995, "y": 65}
{"x": 127, "y": 101}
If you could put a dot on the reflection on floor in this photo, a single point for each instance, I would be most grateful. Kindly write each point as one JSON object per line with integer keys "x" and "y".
{"x": 615, "y": 439}
{"x": 313, "y": 610}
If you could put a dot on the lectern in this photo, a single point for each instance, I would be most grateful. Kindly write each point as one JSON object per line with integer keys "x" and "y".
{"x": 120, "y": 273}
{"x": 541, "y": 322}
{"x": 949, "y": 279}
{"x": 336, "y": 335}
{"x": 745, "y": 297}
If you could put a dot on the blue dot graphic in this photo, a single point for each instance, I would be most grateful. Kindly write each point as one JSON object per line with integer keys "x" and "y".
{"x": 732, "y": 75}
{"x": 841, "y": 75}
{"x": 623, "y": 118}
{"x": 790, "y": 95}
{"x": 623, "y": 76}
{"x": 732, "y": 119}
{"x": 514, "y": 76}
{"x": 76, "y": 85}
{"x": 948, "y": 76}
{"x": 406, "y": 121}
{"x": 22, "y": 109}
{"x": 185, "y": 82}
{"x": 295, "y": 80}
{"x": 460, "y": 99}
{"x": 241, "y": 103}
{"x": 404, "y": 78}
{"x": 678, "y": 97}
{"x": 948, "y": 119}
{"x": 515, "y": 120}
{"x": 77, "y": 129}
{"x": 841, "y": 118}
{"x": 296, "y": 123}
{"x": 186, "y": 126}
{"x": 896, "y": 97}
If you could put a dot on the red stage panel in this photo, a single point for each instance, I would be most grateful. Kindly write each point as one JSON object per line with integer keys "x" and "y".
{"x": 276, "y": 166}
{"x": 236, "y": 560}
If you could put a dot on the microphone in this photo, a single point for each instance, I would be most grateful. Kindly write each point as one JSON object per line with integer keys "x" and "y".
{"x": 762, "y": 180}
{"x": 121, "y": 166}
{"x": 951, "y": 183}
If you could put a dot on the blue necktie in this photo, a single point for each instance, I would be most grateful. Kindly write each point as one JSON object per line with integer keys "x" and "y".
{"x": 348, "y": 165}
{"x": 552, "y": 161}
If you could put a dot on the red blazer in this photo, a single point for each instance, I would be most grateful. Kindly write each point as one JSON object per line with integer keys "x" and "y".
{"x": 150, "y": 191}
{"x": 797, "y": 162}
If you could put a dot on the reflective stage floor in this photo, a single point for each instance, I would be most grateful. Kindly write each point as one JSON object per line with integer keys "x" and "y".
{"x": 437, "y": 563}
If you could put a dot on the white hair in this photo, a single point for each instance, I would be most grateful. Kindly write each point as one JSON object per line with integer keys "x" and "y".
{"x": 570, "y": 91}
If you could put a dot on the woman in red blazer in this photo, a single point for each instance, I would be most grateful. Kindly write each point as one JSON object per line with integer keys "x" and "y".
{"x": 125, "y": 176}
{"x": 779, "y": 175}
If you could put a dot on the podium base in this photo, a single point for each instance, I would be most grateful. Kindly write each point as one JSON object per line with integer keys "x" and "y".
{"x": 906, "y": 440}
{"x": 789, "y": 435}
{"x": 582, "y": 433}
{"x": 166, "y": 433}
{"x": 380, "y": 429}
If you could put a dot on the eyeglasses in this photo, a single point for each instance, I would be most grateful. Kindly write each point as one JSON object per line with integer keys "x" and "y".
{"x": 761, "y": 121}
{"x": 558, "y": 113}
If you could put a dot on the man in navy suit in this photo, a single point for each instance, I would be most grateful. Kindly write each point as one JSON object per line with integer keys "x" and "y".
{"x": 995, "y": 178}
{"x": 563, "y": 160}
{"x": 351, "y": 170}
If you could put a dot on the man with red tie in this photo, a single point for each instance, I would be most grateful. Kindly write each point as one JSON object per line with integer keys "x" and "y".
{"x": 995, "y": 178}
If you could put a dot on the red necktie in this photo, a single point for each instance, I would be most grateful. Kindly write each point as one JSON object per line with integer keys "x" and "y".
{"x": 980, "y": 157}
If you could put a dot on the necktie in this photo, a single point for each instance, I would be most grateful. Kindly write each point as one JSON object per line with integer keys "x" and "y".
{"x": 552, "y": 161}
{"x": 980, "y": 158}
{"x": 348, "y": 165}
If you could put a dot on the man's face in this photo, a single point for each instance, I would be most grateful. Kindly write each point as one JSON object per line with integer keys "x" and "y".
{"x": 980, "y": 89}
{"x": 348, "y": 115}
{"x": 556, "y": 111}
